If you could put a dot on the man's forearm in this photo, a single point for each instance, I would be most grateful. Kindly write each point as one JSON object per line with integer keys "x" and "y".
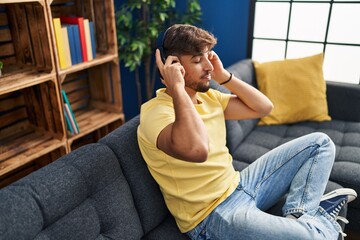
{"x": 249, "y": 95}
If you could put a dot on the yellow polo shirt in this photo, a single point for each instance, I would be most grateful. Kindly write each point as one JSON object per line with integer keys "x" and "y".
{"x": 191, "y": 190}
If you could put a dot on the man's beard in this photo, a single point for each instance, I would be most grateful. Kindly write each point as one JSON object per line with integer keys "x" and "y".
{"x": 199, "y": 86}
{"x": 203, "y": 87}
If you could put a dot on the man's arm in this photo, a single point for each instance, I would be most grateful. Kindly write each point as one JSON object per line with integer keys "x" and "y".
{"x": 186, "y": 138}
{"x": 247, "y": 102}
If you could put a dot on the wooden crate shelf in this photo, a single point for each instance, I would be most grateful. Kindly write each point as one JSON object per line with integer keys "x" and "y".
{"x": 25, "y": 38}
{"x": 33, "y": 128}
{"x": 30, "y": 124}
{"x": 102, "y": 14}
{"x": 95, "y": 97}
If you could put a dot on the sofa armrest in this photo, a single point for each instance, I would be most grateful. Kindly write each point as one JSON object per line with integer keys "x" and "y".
{"x": 343, "y": 101}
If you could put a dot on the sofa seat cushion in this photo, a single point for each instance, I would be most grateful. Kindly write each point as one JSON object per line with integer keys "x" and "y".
{"x": 345, "y": 135}
{"x": 82, "y": 195}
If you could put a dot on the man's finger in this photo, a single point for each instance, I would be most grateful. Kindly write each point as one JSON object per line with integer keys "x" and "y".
{"x": 158, "y": 60}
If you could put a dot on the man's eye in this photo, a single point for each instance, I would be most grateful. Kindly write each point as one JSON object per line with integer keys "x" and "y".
{"x": 197, "y": 60}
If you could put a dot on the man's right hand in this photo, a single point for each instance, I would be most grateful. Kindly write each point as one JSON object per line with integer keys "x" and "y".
{"x": 172, "y": 71}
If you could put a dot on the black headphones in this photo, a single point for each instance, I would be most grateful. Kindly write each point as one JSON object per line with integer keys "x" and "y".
{"x": 161, "y": 47}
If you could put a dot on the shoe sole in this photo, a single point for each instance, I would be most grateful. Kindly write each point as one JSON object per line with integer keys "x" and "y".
{"x": 341, "y": 191}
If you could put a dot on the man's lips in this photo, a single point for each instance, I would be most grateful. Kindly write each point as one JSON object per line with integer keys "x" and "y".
{"x": 206, "y": 76}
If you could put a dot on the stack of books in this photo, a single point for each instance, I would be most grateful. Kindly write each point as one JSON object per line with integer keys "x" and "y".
{"x": 75, "y": 40}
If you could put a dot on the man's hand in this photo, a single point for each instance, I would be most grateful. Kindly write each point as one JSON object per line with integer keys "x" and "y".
{"x": 219, "y": 74}
{"x": 172, "y": 71}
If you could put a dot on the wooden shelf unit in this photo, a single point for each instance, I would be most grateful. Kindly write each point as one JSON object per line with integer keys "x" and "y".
{"x": 33, "y": 130}
{"x": 93, "y": 87}
{"x": 30, "y": 104}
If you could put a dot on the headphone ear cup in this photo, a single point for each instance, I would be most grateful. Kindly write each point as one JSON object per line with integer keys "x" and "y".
{"x": 161, "y": 49}
{"x": 162, "y": 54}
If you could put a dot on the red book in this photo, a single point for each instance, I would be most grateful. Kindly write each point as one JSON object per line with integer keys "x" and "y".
{"x": 80, "y": 22}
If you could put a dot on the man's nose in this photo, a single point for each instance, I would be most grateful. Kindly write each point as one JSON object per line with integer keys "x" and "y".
{"x": 208, "y": 66}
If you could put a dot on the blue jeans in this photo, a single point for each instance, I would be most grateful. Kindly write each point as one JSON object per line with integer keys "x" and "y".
{"x": 300, "y": 168}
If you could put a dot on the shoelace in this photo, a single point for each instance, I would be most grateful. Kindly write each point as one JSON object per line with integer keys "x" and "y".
{"x": 344, "y": 220}
{"x": 343, "y": 235}
{"x": 337, "y": 210}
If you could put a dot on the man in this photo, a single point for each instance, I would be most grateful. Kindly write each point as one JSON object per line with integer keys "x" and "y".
{"x": 182, "y": 138}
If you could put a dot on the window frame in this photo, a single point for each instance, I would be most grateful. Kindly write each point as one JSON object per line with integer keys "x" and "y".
{"x": 325, "y": 43}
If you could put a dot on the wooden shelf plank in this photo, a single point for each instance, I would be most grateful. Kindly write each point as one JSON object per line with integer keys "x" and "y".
{"x": 19, "y": 151}
{"x": 93, "y": 119}
{"x": 23, "y": 78}
{"x": 42, "y": 2}
{"x": 100, "y": 59}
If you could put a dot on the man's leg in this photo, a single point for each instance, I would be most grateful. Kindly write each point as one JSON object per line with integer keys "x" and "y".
{"x": 301, "y": 168}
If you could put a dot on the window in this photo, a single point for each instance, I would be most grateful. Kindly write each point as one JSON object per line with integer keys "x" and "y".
{"x": 298, "y": 28}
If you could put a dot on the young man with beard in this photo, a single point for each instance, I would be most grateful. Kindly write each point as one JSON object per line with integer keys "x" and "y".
{"x": 182, "y": 138}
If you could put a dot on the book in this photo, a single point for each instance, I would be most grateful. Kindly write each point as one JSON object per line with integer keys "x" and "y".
{"x": 80, "y": 22}
{"x": 59, "y": 43}
{"x": 92, "y": 38}
{"x": 77, "y": 44}
{"x": 67, "y": 53}
{"x": 71, "y": 115}
{"x": 71, "y": 119}
{"x": 87, "y": 39}
{"x": 72, "y": 46}
{"x": 68, "y": 123}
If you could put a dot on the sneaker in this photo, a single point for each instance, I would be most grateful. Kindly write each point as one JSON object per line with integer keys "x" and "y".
{"x": 334, "y": 201}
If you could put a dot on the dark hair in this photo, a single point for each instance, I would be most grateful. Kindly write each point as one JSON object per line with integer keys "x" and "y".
{"x": 184, "y": 39}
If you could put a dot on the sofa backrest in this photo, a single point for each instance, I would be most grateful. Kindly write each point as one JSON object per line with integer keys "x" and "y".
{"x": 82, "y": 195}
{"x": 147, "y": 196}
{"x": 148, "y": 199}
{"x": 237, "y": 130}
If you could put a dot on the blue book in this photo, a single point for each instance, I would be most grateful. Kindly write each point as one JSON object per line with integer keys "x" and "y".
{"x": 71, "y": 36}
{"x": 66, "y": 100}
{"x": 77, "y": 43}
{"x": 92, "y": 38}
{"x": 68, "y": 123}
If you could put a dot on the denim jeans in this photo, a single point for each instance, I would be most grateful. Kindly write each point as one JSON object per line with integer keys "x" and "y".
{"x": 300, "y": 168}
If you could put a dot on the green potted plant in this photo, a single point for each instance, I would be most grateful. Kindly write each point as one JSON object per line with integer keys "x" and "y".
{"x": 139, "y": 22}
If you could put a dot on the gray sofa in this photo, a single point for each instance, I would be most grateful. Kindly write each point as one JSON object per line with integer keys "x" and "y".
{"x": 104, "y": 190}
{"x": 247, "y": 141}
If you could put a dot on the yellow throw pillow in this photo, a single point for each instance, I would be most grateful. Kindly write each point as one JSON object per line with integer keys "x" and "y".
{"x": 296, "y": 87}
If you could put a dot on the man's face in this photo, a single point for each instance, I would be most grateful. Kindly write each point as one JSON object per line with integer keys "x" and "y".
{"x": 198, "y": 70}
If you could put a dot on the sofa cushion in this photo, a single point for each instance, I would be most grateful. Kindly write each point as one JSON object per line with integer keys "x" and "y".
{"x": 148, "y": 199}
{"x": 82, "y": 195}
{"x": 296, "y": 87}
